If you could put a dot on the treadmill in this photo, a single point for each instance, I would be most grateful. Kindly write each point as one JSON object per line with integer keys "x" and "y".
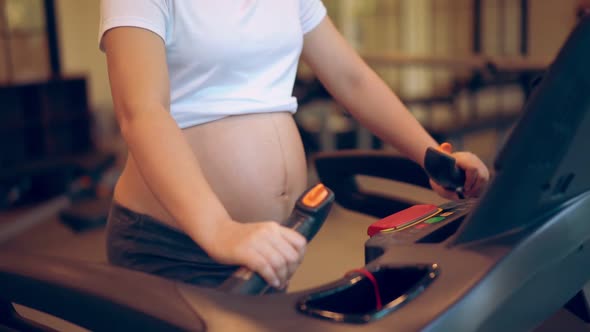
{"x": 505, "y": 262}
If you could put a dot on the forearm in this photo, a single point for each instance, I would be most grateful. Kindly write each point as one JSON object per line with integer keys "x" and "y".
{"x": 377, "y": 108}
{"x": 172, "y": 172}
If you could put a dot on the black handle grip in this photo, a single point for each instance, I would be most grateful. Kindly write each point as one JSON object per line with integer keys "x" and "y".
{"x": 307, "y": 218}
{"x": 339, "y": 171}
{"x": 442, "y": 168}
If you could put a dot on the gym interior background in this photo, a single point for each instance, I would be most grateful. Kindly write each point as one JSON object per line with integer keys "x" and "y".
{"x": 463, "y": 67}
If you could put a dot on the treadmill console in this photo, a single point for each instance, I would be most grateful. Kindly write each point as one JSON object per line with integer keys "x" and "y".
{"x": 417, "y": 224}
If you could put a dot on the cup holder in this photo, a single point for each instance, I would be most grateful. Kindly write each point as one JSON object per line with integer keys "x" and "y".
{"x": 361, "y": 297}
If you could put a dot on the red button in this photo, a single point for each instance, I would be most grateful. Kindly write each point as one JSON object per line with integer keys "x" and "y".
{"x": 404, "y": 217}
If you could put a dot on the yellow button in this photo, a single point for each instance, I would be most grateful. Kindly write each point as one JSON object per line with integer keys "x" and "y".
{"x": 315, "y": 196}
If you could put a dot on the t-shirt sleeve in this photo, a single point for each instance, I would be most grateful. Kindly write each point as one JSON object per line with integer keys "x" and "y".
{"x": 152, "y": 15}
{"x": 311, "y": 13}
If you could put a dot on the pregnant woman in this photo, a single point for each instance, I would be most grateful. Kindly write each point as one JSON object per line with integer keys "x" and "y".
{"x": 202, "y": 92}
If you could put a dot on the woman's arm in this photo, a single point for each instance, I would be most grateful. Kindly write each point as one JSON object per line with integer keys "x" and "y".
{"x": 140, "y": 89}
{"x": 141, "y": 94}
{"x": 364, "y": 94}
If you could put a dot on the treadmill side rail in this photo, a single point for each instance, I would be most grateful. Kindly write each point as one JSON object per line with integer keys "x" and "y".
{"x": 94, "y": 296}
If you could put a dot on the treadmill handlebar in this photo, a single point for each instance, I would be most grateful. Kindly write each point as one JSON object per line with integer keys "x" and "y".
{"x": 442, "y": 168}
{"x": 308, "y": 216}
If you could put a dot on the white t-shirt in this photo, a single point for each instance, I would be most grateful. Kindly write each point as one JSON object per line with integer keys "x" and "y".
{"x": 225, "y": 57}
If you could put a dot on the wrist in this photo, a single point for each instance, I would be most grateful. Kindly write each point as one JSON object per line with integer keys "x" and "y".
{"x": 205, "y": 222}
{"x": 211, "y": 234}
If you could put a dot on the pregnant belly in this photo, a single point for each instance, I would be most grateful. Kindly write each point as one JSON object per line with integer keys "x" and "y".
{"x": 255, "y": 164}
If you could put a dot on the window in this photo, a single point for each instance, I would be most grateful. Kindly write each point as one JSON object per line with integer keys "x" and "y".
{"x": 24, "y": 54}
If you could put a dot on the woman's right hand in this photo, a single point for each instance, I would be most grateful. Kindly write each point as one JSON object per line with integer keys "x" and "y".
{"x": 271, "y": 250}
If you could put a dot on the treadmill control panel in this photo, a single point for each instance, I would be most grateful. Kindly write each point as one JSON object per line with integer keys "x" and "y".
{"x": 404, "y": 219}
{"x": 419, "y": 223}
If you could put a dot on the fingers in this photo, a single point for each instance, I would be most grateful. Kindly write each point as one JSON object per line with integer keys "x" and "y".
{"x": 296, "y": 240}
{"x": 474, "y": 183}
{"x": 261, "y": 263}
{"x": 276, "y": 252}
{"x": 295, "y": 249}
{"x": 442, "y": 192}
{"x": 480, "y": 184}
{"x": 275, "y": 265}
{"x": 476, "y": 173}
{"x": 471, "y": 179}
{"x": 288, "y": 248}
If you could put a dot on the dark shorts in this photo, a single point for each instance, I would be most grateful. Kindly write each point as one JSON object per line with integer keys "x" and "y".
{"x": 142, "y": 243}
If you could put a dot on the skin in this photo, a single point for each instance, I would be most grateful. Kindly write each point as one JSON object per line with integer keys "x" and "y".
{"x": 141, "y": 96}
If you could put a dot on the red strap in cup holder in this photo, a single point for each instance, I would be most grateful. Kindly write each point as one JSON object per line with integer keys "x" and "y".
{"x": 373, "y": 280}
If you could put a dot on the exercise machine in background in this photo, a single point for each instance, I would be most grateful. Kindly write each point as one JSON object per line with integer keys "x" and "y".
{"x": 48, "y": 159}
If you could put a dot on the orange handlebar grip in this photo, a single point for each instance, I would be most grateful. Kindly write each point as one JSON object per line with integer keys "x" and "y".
{"x": 315, "y": 196}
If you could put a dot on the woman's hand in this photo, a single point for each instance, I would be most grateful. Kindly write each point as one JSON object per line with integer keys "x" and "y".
{"x": 477, "y": 174}
{"x": 271, "y": 250}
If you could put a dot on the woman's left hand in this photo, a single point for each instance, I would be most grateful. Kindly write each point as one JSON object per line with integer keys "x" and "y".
{"x": 477, "y": 176}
